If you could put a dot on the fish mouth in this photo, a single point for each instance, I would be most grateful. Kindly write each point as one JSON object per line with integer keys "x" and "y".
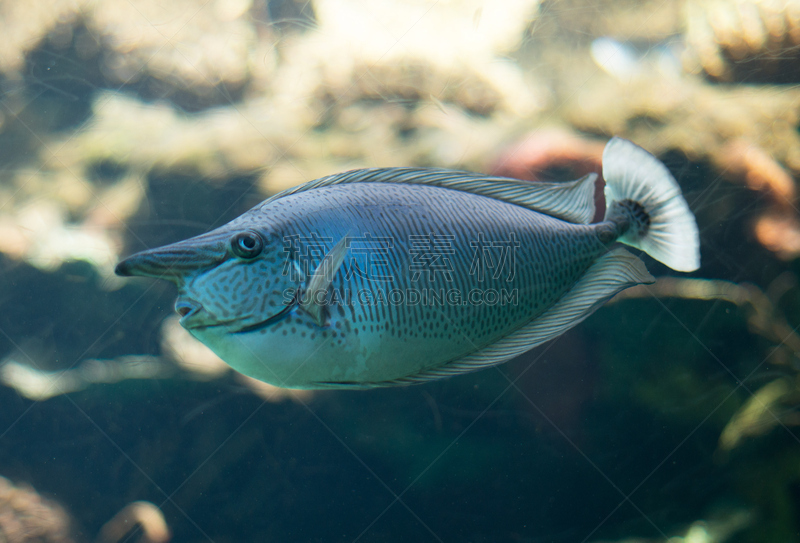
{"x": 189, "y": 310}
{"x": 191, "y": 313}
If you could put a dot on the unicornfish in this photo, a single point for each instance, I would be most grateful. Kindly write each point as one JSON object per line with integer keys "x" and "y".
{"x": 393, "y": 276}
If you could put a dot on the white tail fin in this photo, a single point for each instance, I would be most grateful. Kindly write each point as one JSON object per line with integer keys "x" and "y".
{"x": 640, "y": 189}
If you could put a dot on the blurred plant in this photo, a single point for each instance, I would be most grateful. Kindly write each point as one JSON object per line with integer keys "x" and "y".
{"x": 775, "y": 403}
{"x": 182, "y": 355}
{"x": 759, "y": 308}
{"x": 36, "y": 384}
{"x": 772, "y": 405}
{"x": 718, "y": 529}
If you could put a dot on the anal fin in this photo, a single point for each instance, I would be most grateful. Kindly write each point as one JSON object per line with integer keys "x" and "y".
{"x": 611, "y": 273}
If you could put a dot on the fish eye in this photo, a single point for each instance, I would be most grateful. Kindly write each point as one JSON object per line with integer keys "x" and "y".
{"x": 247, "y": 244}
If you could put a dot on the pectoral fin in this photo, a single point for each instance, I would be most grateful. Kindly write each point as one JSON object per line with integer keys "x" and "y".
{"x": 316, "y": 295}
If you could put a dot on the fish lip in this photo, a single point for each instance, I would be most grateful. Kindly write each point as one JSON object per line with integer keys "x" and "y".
{"x": 195, "y": 317}
{"x": 192, "y": 318}
{"x": 187, "y": 309}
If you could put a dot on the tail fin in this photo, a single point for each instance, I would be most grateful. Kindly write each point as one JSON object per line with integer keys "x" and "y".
{"x": 640, "y": 189}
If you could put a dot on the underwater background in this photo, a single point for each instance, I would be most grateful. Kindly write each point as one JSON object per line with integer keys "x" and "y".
{"x": 669, "y": 415}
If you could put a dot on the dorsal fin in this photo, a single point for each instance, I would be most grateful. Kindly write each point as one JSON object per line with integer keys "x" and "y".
{"x": 572, "y": 201}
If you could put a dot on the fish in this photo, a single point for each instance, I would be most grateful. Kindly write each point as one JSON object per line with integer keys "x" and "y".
{"x": 395, "y": 276}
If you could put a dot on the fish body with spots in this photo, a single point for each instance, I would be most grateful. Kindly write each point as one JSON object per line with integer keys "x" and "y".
{"x": 394, "y": 276}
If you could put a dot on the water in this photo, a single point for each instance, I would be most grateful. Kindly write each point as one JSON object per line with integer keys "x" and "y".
{"x": 668, "y": 413}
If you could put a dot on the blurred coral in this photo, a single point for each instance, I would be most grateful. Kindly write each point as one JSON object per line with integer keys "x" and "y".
{"x": 778, "y": 228}
{"x": 26, "y": 517}
{"x": 754, "y": 41}
{"x": 740, "y": 159}
{"x": 27, "y": 24}
{"x": 746, "y": 134}
{"x": 554, "y": 155}
{"x": 410, "y": 51}
{"x": 779, "y": 232}
{"x": 187, "y": 43}
{"x": 343, "y": 95}
{"x": 40, "y": 234}
{"x": 549, "y": 153}
{"x": 192, "y": 52}
{"x": 140, "y": 515}
{"x": 191, "y": 355}
{"x": 214, "y": 144}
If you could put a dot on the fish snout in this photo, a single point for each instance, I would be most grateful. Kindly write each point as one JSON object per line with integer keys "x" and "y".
{"x": 136, "y": 264}
{"x": 156, "y": 263}
{"x": 173, "y": 262}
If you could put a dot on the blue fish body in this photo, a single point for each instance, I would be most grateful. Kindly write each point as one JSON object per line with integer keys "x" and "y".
{"x": 396, "y": 276}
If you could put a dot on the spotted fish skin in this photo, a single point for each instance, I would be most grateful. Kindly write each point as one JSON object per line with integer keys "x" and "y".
{"x": 396, "y": 276}
{"x": 550, "y": 257}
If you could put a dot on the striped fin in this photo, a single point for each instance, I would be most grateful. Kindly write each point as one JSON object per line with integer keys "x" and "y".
{"x": 611, "y": 273}
{"x": 572, "y": 201}
{"x": 320, "y": 281}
